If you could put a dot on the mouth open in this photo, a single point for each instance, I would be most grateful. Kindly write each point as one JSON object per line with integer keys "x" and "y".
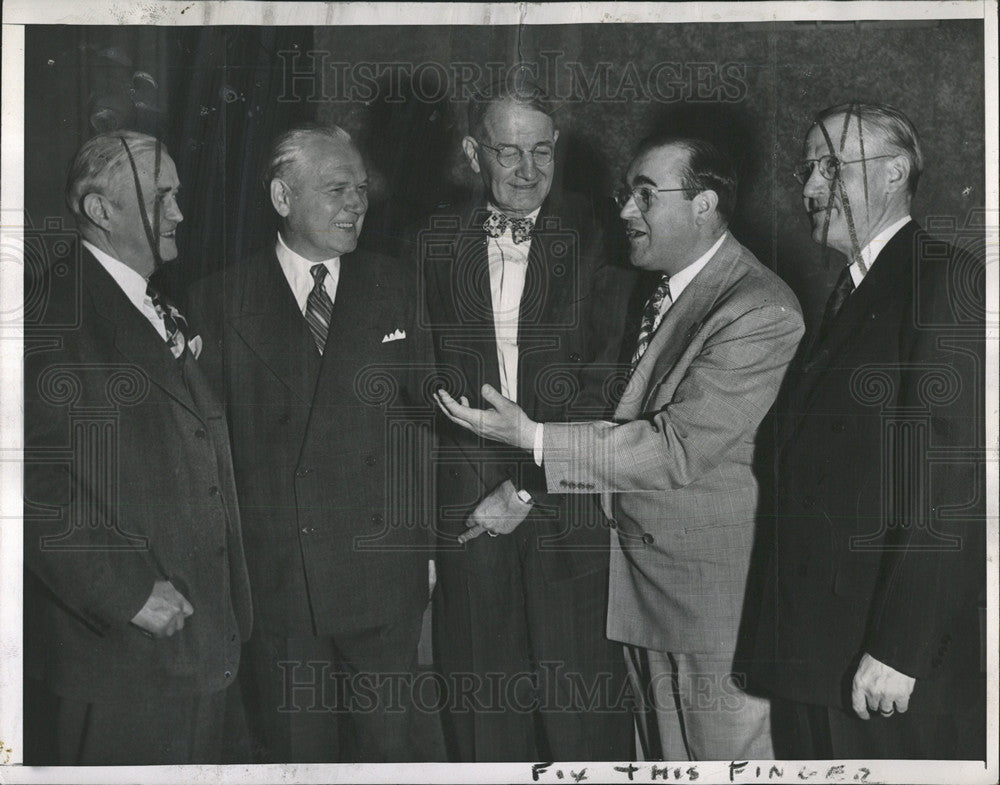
{"x": 169, "y": 235}
{"x": 634, "y": 234}
{"x": 347, "y": 226}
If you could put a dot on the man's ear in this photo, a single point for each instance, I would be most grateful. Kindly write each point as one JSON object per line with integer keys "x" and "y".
{"x": 470, "y": 148}
{"x": 97, "y": 208}
{"x": 897, "y": 173}
{"x": 280, "y": 197}
{"x": 704, "y": 205}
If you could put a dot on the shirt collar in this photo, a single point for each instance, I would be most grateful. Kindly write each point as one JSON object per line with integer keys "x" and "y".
{"x": 128, "y": 280}
{"x": 679, "y": 281}
{"x": 869, "y": 254}
{"x": 287, "y": 255}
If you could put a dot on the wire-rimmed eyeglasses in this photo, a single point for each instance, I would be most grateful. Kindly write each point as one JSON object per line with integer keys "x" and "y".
{"x": 643, "y": 195}
{"x": 510, "y": 155}
{"x": 828, "y": 165}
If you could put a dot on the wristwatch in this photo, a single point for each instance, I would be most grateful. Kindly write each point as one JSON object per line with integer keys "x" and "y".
{"x": 525, "y": 497}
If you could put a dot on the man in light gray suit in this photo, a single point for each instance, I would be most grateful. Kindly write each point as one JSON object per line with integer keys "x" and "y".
{"x": 674, "y": 468}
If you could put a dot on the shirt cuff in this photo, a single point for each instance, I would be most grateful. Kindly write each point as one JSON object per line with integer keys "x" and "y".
{"x": 539, "y": 440}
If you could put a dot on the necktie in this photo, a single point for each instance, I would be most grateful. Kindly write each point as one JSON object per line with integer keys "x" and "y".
{"x": 173, "y": 321}
{"x": 520, "y": 228}
{"x": 649, "y": 319}
{"x": 319, "y": 307}
{"x": 839, "y": 295}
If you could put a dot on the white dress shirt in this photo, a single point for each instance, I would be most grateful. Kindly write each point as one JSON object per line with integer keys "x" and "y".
{"x": 508, "y": 267}
{"x": 678, "y": 283}
{"x": 870, "y": 252}
{"x": 297, "y": 272}
{"x": 132, "y": 283}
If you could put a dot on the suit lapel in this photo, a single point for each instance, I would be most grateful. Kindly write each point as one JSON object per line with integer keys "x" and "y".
{"x": 468, "y": 282}
{"x": 680, "y": 324}
{"x": 134, "y": 337}
{"x": 270, "y": 322}
{"x": 550, "y": 282}
{"x": 358, "y": 323}
{"x": 886, "y": 280}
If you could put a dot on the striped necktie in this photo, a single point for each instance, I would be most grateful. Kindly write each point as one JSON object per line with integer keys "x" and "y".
{"x": 650, "y": 319}
{"x": 319, "y": 307}
{"x": 173, "y": 321}
{"x": 839, "y": 295}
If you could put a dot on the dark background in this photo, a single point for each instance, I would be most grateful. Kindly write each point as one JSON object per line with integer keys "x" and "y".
{"x": 217, "y": 95}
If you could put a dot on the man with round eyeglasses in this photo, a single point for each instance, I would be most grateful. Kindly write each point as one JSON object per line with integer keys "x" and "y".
{"x": 519, "y": 295}
{"x": 869, "y": 633}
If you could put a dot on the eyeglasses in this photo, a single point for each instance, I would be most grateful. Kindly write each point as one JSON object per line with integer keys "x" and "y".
{"x": 510, "y": 155}
{"x": 829, "y": 166}
{"x": 643, "y": 195}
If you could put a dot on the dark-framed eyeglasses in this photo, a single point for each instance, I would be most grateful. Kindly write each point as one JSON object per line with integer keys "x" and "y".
{"x": 828, "y": 165}
{"x": 643, "y": 195}
{"x": 510, "y": 155}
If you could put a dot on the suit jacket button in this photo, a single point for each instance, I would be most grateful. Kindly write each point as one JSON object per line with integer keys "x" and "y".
{"x": 307, "y": 530}
{"x": 377, "y": 519}
{"x": 838, "y": 427}
{"x": 284, "y": 419}
{"x": 228, "y": 674}
{"x": 648, "y": 538}
{"x": 200, "y": 433}
{"x": 370, "y": 460}
{"x": 453, "y": 473}
{"x": 574, "y": 357}
{"x": 302, "y": 472}
{"x": 213, "y": 490}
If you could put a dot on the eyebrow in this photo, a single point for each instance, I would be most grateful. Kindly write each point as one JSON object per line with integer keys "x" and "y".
{"x": 641, "y": 179}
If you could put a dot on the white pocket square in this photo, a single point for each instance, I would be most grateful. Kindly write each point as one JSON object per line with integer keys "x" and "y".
{"x": 398, "y": 335}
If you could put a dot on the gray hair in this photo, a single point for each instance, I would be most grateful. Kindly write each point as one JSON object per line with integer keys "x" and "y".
{"x": 99, "y": 162}
{"x": 894, "y": 129}
{"x": 518, "y": 89}
{"x": 286, "y": 150}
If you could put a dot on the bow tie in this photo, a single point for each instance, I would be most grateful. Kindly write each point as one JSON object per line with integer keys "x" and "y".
{"x": 520, "y": 228}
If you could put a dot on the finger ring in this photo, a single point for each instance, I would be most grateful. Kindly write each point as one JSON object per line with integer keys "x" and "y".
{"x": 492, "y": 534}
{"x": 887, "y": 713}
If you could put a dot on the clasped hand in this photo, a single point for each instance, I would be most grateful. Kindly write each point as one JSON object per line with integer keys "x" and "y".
{"x": 880, "y": 688}
{"x": 164, "y": 612}
{"x": 500, "y": 512}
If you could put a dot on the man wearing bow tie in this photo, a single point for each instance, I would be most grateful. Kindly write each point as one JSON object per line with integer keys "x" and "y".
{"x": 520, "y": 296}
{"x": 137, "y": 595}
{"x": 318, "y": 350}
{"x": 870, "y": 630}
{"x": 675, "y": 466}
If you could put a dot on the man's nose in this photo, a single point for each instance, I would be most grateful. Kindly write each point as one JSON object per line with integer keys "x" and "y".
{"x": 630, "y": 209}
{"x": 526, "y": 167}
{"x": 172, "y": 211}
{"x": 815, "y": 185}
{"x": 357, "y": 201}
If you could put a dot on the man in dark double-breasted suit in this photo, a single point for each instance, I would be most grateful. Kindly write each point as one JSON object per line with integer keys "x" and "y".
{"x": 137, "y": 596}
{"x": 519, "y": 296}
{"x": 317, "y": 350}
{"x": 870, "y": 629}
